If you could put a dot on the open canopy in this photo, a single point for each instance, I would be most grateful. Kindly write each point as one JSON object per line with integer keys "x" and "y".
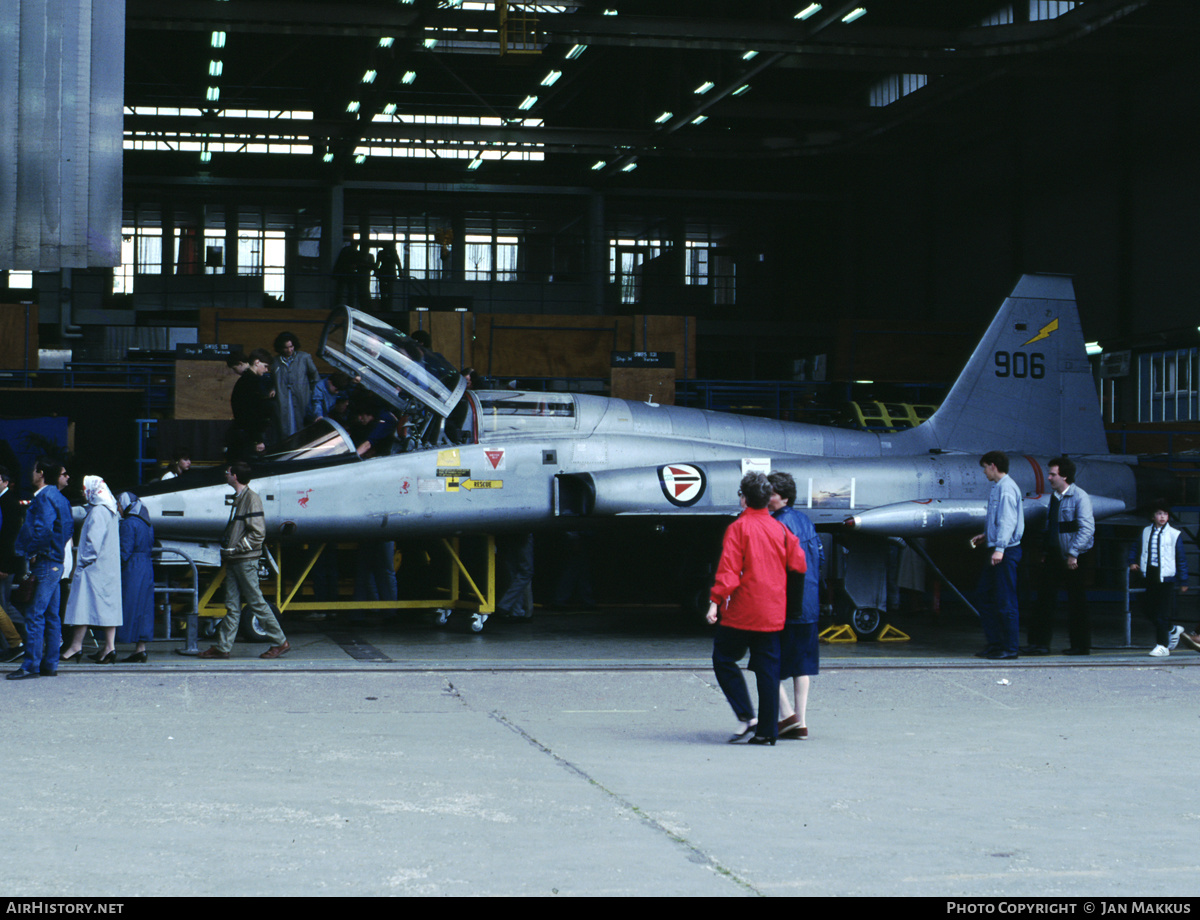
{"x": 389, "y": 363}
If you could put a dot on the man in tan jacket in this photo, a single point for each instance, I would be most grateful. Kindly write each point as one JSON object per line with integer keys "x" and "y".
{"x": 240, "y": 548}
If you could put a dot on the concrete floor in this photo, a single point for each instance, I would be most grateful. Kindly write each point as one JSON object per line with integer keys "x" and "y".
{"x": 584, "y": 755}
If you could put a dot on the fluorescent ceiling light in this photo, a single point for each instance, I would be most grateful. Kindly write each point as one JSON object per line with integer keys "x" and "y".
{"x": 352, "y": 107}
{"x": 205, "y": 156}
{"x": 1093, "y": 348}
{"x": 699, "y": 119}
{"x": 369, "y": 76}
{"x": 213, "y": 94}
{"x": 629, "y": 167}
{"x": 527, "y": 102}
{"x": 741, "y": 89}
{"x": 704, "y": 87}
{"x": 389, "y": 109}
{"x": 430, "y": 42}
{"x": 610, "y": 12}
{"x": 361, "y": 158}
{"x": 409, "y": 76}
{"x": 215, "y": 68}
{"x": 218, "y": 39}
{"x": 749, "y": 55}
{"x": 551, "y": 78}
{"x": 575, "y": 51}
{"x": 475, "y": 163}
{"x": 855, "y": 14}
{"x": 386, "y": 41}
{"x": 599, "y": 164}
{"x": 328, "y": 158}
{"x": 665, "y": 116}
{"x": 808, "y": 11}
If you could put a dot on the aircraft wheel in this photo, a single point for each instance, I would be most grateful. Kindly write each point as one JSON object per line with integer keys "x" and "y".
{"x": 867, "y": 622}
{"x": 252, "y": 630}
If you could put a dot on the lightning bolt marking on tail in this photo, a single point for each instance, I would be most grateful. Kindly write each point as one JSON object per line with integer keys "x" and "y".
{"x": 1044, "y": 332}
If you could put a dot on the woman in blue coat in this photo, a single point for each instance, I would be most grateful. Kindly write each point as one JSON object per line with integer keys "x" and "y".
{"x": 137, "y": 575}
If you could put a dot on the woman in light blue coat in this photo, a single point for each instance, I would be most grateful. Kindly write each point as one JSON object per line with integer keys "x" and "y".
{"x": 95, "y": 598}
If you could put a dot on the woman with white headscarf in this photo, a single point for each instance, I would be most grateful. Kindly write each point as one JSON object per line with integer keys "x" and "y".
{"x": 137, "y": 576}
{"x": 95, "y": 598}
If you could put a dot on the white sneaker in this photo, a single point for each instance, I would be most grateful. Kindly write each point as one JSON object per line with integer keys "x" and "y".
{"x": 1173, "y": 637}
{"x": 1159, "y": 651}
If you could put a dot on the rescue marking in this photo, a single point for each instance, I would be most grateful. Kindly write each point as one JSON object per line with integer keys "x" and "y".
{"x": 1044, "y": 332}
{"x": 682, "y": 483}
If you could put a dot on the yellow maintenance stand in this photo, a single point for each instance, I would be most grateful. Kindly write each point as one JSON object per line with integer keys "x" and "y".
{"x": 463, "y": 593}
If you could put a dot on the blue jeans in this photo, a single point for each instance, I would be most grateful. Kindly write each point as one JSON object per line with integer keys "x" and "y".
{"x": 43, "y": 625}
{"x": 998, "y": 603}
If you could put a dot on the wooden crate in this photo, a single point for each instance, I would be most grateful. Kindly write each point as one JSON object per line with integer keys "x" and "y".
{"x": 202, "y": 389}
{"x": 537, "y": 345}
{"x": 638, "y": 384}
{"x": 257, "y": 329}
{"x": 18, "y": 337}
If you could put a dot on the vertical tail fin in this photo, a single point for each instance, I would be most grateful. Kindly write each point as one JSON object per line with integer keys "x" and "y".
{"x": 1028, "y": 386}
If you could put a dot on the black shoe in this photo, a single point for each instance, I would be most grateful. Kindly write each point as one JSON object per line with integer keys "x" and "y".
{"x": 739, "y": 736}
{"x": 21, "y": 675}
{"x": 985, "y": 653}
{"x": 762, "y": 739}
{"x": 1077, "y": 651}
{"x": 1001, "y": 656}
{"x": 110, "y": 658}
{"x": 76, "y": 658}
{"x": 44, "y": 673}
{"x": 1034, "y": 650}
{"x": 12, "y": 653}
{"x": 135, "y": 658}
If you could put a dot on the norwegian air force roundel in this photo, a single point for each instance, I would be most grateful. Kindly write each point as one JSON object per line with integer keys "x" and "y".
{"x": 682, "y": 483}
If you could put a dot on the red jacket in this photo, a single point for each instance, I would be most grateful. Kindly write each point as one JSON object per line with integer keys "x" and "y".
{"x": 752, "y": 575}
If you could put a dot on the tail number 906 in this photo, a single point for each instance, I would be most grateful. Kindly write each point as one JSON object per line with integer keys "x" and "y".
{"x": 1019, "y": 364}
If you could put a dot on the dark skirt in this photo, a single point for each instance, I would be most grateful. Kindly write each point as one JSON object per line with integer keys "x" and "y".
{"x": 799, "y": 654}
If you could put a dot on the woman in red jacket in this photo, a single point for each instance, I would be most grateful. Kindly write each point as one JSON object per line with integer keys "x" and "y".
{"x": 749, "y": 597}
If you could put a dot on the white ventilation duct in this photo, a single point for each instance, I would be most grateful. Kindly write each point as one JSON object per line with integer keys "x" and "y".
{"x": 62, "y": 76}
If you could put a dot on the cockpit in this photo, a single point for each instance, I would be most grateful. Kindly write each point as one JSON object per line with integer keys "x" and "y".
{"x": 388, "y": 363}
{"x": 421, "y": 387}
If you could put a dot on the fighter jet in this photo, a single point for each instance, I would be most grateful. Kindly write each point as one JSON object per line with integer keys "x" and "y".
{"x": 499, "y": 460}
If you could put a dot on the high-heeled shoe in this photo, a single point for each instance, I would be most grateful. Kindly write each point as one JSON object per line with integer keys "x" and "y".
{"x": 74, "y": 658}
{"x": 762, "y": 739}
{"x": 110, "y": 658}
{"x": 135, "y": 658}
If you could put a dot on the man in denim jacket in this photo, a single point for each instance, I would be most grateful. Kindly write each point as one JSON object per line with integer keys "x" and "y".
{"x": 42, "y": 542}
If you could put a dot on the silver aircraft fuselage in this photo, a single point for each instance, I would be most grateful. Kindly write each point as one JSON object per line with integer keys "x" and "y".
{"x": 520, "y": 461}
